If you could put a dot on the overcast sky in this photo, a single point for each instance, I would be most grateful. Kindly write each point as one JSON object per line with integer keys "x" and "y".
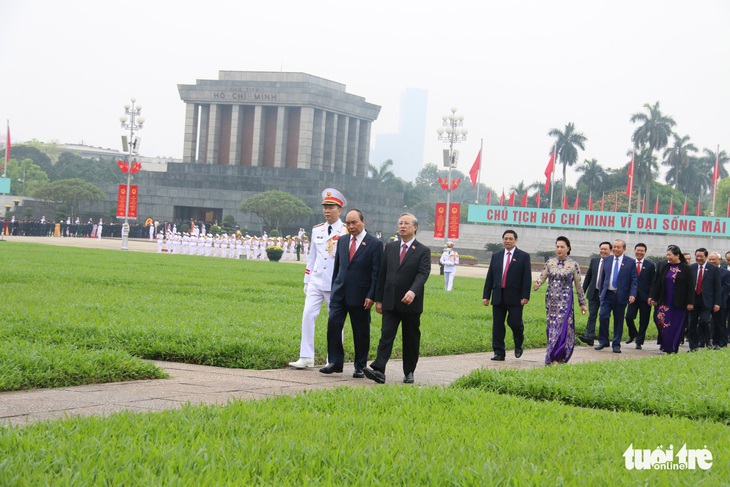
{"x": 514, "y": 69}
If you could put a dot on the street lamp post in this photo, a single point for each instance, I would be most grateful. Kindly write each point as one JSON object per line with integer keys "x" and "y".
{"x": 132, "y": 121}
{"x": 451, "y": 133}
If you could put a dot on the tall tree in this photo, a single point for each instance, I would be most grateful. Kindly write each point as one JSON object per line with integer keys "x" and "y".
{"x": 593, "y": 176}
{"x": 710, "y": 157}
{"x": 276, "y": 208}
{"x": 677, "y": 158}
{"x": 70, "y": 192}
{"x": 654, "y": 131}
{"x": 25, "y": 176}
{"x": 382, "y": 174}
{"x": 646, "y": 168}
{"x": 567, "y": 143}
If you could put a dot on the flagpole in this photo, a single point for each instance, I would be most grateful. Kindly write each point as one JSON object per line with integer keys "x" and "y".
{"x": 7, "y": 149}
{"x": 479, "y": 169}
{"x": 631, "y": 183}
{"x": 552, "y": 178}
{"x": 716, "y": 179}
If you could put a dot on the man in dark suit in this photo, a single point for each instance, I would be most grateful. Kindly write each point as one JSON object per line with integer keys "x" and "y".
{"x": 708, "y": 291}
{"x": 719, "y": 328}
{"x": 618, "y": 289}
{"x": 404, "y": 270}
{"x": 645, "y": 271}
{"x": 355, "y": 273}
{"x": 507, "y": 287}
{"x": 592, "y": 290}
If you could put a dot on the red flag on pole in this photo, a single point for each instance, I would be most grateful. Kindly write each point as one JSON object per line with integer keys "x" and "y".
{"x": 630, "y": 181}
{"x": 489, "y": 197}
{"x": 512, "y": 199}
{"x": 715, "y": 171}
{"x": 577, "y": 201}
{"x": 501, "y": 198}
{"x": 656, "y": 205}
{"x": 474, "y": 171}
{"x": 590, "y": 201}
{"x": 643, "y": 204}
{"x": 524, "y": 199}
{"x": 699, "y": 205}
{"x": 565, "y": 201}
{"x": 537, "y": 199}
{"x": 603, "y": 200}
{"x": 671, "y": 205}
{"x": 615, "y": 203}
{"x": 684, "y": 207}
{"x": 549, "y": 171}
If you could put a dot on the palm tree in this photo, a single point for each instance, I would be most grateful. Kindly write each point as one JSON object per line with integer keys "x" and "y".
{"x": 710, "y": 157}
{"x": 654, "y": 130}
{"x": 382, "y": 174}
{"x": 592, "y": 177}
{"x": 645, "y": 168}
{"x": 567, "y": 144}
{"x": 677, "y": 157}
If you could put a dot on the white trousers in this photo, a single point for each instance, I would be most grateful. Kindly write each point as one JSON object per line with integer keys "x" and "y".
{"x": 312, "y": 307}
{"x": 449, "y": 280}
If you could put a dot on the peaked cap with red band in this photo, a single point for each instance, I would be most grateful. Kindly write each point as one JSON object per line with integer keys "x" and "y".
{"x": 331, "y": 196}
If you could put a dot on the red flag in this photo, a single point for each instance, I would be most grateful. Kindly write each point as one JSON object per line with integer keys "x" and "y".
{"x": 524, "y": 199}
{"x": 7, "y": 147}
{"x": 671, "y": 205}
{"x": 501, "y": 198}
{"x": 630, "y": 181}
{"x": 455, "y": 183}
{"x": 512, "y": 199}
{"x": 489, "y": 197}
{"x": 603, "y": 200}
{"x": 699, "y": 205}
{"x": 643, "y": 205}
{"x": 474, "y": 171}
{"x": 615, "y": 203}
{"x": 656, "y": 205}
{"x": 577, "y": 201}
{"x": 684, "y": 207}
{"x": 549, "y": 171}
{"x": 715, "y": 171}
{"x": 537, "y": 198}
{"x": 590, "y": 202}
{"x": 565, "y": 201}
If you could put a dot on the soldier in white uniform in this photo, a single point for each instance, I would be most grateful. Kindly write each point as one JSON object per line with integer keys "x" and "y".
{"x": 318, "y": 275}
{"x": 449, "y": 259}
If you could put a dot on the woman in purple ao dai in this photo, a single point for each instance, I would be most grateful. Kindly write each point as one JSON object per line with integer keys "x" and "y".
{"x": 562, "y": 274}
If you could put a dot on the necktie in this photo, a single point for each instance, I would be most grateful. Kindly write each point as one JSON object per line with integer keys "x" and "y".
{"x": 614, "y": 276}
{"x": 329, "y": 230}
{"x": 353, "y": 247}
{"x": 638, "y": 268}
{"x": 506, "y": 268}
{"x": 403, "y": 249}
{"x": 698, "y": 291}
{"x": 598, "y": 276}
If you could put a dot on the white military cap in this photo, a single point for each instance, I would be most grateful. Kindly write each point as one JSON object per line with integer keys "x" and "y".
{"x": 331, "y": 196}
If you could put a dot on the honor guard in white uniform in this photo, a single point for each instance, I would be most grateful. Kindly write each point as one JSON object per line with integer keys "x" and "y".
{"x": 449, "y": 259}
{"x": 318, "y": 274}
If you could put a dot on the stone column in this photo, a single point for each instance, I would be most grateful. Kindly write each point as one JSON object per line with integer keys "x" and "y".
{"x": 257, "y": 148}
{"x": 203, "y": 142}
{"x": 212, "y": 149}
{"x": 281, "y": 134}
{"x": 234, "y": 159}
{"x": 353, "y": 144}
{"x": 341, "y": 144}
{"x": 306, "y": 138}
{"x": 363, "y": 153}
{"x": 191, "y": 132}
{"x": 330, "y": 141}
{"x": 318, "y": 137}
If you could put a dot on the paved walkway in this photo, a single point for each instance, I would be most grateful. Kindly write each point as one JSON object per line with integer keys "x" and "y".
{"x": 197, "y": 384}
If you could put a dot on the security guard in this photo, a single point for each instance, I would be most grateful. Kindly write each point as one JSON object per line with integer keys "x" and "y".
{"x": 318, "y": 274}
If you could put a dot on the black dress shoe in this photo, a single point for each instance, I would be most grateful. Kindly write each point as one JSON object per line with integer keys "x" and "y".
{"x": 616, "y": 349}
{"x": 331, "y": 369}
{"x": 499, "y": 358}
{"x": 586, "y": 339}
{"x": 518, "y": 352}
{"x": 638, "y": 346}
{"x": 631, "y": 339}
{"x": 408, "y": 379}
{"x": 375, "y": 375}
{"x": 600, "y": 346}
{"x": 358, "y": 374}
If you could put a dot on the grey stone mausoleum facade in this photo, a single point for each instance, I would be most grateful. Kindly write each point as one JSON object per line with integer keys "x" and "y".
{"x": 249, "y": 132}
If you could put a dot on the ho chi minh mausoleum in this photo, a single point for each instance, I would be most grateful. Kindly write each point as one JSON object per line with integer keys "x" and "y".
{"x": 249, "y": 132}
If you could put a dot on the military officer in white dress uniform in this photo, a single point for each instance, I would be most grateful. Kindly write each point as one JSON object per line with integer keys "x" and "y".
{"x": 318, "y": 274}
{"x": 449, "y": 259}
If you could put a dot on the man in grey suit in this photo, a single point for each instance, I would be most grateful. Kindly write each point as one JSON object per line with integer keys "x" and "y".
{"x": 507, "y": 287}
{"x": 592, "y": 290}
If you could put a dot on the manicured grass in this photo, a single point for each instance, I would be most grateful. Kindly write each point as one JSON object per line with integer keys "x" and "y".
{"x": 389, "y": 435}
{"x": 690, "y": 385}
{"x": 211, "y": 311}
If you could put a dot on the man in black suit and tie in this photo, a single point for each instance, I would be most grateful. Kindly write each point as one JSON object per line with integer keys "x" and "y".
{"x": 719, "y": 328}
{"x": 708, "y": 292}
{"x": 645, "y": 271}
{"x": 592, "y": 290}
{"x": 355, "y": 273}
{"x": 507, "y": 287}
{"x": 618, "y": 289}
{"x": 404, "y": 270}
